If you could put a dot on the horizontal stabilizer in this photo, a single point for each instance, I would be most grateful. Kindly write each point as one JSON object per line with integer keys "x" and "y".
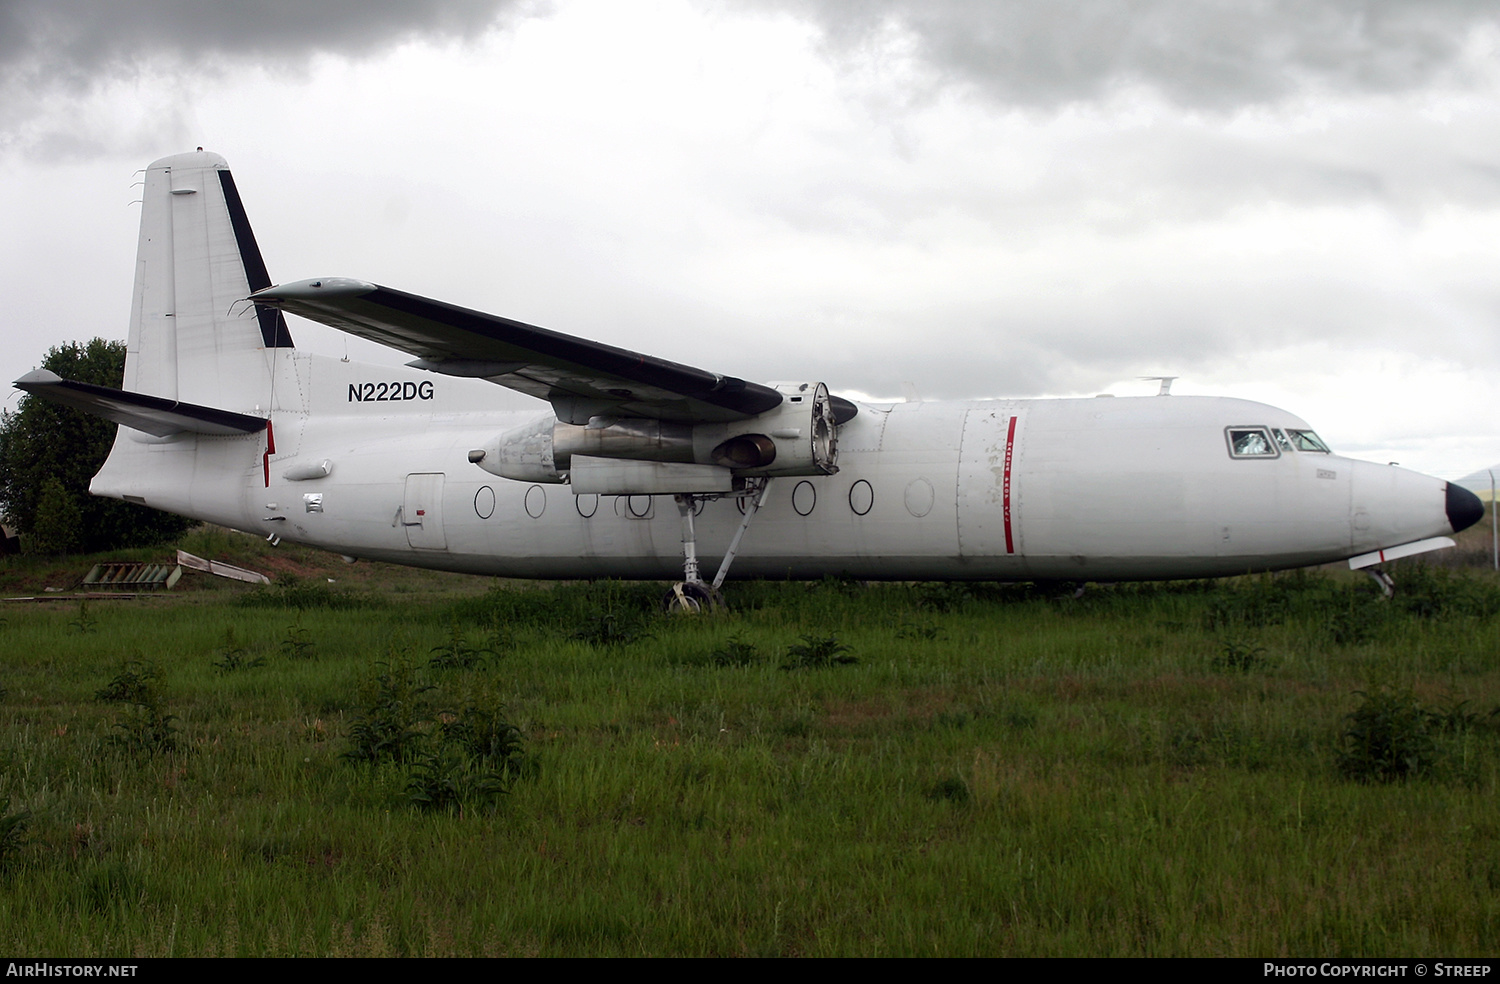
{"x": 151, "y": 414}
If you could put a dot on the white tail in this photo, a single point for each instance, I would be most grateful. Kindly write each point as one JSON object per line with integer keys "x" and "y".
{"x": 193, "y": 337}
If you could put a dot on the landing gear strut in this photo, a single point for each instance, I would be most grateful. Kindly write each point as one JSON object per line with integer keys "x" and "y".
{"x": 1387, "y": 584}
{"x": 692, "y": 594}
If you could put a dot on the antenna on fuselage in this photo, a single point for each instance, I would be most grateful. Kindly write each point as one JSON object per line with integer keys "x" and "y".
{"x": 1166, "y": 384}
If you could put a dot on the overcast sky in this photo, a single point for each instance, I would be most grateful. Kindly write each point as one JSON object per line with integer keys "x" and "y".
{"x": 1295, "y": 203}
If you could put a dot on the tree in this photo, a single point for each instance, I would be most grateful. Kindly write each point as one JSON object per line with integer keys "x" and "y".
{"x": 58, "y": 528}
{"x": 48, "y": 454}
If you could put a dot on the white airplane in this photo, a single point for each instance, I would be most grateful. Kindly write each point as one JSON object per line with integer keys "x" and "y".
{"x": 635, "y": 466}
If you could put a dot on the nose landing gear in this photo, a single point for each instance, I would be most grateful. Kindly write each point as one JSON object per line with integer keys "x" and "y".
{"x": 1384, "y": 580}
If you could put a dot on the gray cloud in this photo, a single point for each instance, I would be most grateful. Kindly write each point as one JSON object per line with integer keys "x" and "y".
{"x": 74, "y": 40}
{"x": 55, "y": 53}
{"x": 1215, "y": 55}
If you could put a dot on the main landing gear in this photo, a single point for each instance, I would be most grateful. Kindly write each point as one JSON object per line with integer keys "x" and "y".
{"x": 692, "y": 593}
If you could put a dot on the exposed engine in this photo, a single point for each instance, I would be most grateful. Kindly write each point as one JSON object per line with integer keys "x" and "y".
{"x": 625, "y": 455}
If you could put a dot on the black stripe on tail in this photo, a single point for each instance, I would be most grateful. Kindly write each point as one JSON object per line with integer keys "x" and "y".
{"x": 273, "y": 330}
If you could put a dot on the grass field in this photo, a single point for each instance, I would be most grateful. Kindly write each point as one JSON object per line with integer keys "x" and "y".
{"x": 409, "y": 763}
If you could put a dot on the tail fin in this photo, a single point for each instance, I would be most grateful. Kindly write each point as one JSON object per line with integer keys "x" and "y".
{"x": 193, "y": 337}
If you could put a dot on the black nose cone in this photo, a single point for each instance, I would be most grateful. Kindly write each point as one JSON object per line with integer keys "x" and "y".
{"x": 1464, "y": 508}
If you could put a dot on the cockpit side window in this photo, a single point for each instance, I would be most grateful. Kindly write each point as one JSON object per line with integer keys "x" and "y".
{"x": 1281, "y": 440}
{"x": 1306, "y": 440}
{"x": 1250, "y": 442}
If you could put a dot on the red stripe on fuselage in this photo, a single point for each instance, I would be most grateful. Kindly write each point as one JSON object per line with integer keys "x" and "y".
{"x": 265, "y": 459}
{"x": 1010, "y": 447}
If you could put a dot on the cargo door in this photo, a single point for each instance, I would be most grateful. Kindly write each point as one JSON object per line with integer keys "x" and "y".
{"x": 422, "y": 511}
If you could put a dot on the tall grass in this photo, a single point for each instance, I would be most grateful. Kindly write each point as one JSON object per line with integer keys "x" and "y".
{"x": 1147, "y": 770}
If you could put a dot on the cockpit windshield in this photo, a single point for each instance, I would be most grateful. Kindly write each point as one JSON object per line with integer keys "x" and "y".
{"x": 1306, "y": 440}
{"x": 1250, "y": 442}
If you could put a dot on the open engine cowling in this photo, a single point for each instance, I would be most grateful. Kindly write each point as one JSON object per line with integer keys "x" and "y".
{"x": 798, "y": 437}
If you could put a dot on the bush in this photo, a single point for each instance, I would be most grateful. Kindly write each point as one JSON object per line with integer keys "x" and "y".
{"x": 1389, "y": 738}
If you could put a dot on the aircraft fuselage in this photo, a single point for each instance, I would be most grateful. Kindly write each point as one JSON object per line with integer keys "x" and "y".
{"x": 1080, "y": 489}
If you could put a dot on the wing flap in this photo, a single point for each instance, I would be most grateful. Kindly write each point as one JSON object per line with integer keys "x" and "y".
{"x": 580, "y": 378}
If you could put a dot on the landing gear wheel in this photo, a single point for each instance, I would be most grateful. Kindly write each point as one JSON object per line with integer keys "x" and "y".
{"x": 691, "y": 597}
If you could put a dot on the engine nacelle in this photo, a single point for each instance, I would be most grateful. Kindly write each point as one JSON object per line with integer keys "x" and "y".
{"x": 799, "y": 437}
{"x": 523, "y": 454}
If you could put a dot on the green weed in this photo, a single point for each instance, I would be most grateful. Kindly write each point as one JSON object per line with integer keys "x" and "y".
{"x": 1359, "y": 617}
{"x": 1240, "y": 656}
{"x": 943, "y": 596}
{"x": 232, "y": 657}
{"x": 1390, "y": 737}
{"x": 484, "y": 733}
{"x": 13, "y": 827}
{"x": 298, "y": 643}
{"x": 458, "y": 654}
{"x": 609, "y": 629}
{"x": 924, "y": 629}
{"x": 736, "y": 652}
{"x": 445, "y": 779}
{"x": 134, "y": 684}
{"x": 816, "y": 652}
{"x": 389, "y": 726}
{"x": 84, "y": 622}
{"x": 145, "y": 730}
{"x": 952, "y": 789}
{"x": 292, "y": 592}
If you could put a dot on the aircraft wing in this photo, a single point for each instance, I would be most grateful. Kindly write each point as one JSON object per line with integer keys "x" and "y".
{"x": 580, "y": 378}
{"x": 151, "y": 414}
